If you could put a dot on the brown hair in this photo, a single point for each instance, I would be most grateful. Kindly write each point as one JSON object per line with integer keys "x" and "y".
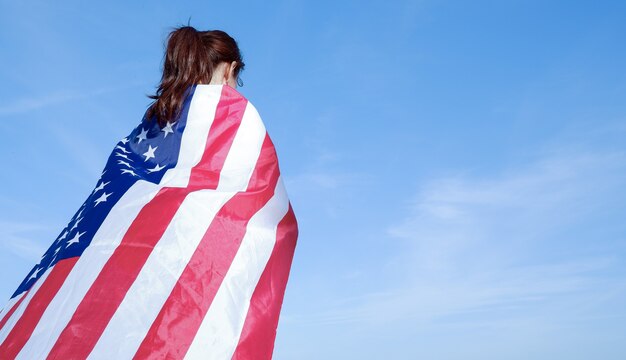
{"x": 190, "y": 58}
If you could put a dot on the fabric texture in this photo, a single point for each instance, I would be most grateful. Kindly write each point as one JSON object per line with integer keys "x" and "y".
{"x": 182, "y": 250}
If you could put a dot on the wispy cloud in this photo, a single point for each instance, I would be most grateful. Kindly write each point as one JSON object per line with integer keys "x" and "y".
{"x": 499, "y": 246}
{"x": 316, "y": 180}
{"x": 19, "y": 238}
{"x": 79, "y": 148}
{"x": 39, "y": 101}
{"x": 324, "y": 176}
{"x": 321, "y": 186}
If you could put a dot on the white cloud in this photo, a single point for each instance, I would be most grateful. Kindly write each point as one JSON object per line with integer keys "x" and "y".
{"x": 57, "y": 97}
{"x": 493, "y": 246}
{"x": 19, "y": 239}
{"x": 28, "y": 104}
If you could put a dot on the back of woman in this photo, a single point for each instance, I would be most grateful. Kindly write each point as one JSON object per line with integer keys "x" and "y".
{"x": 184, "y": 247}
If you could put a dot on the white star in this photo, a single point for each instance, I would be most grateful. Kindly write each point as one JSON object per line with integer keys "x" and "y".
{"x": 126, "y": 171}
{"x": 76, "y": 223}
{"x": 168, "y": 129}
{"x": 54, "y": 257}
{"x": 102, "y": 198}
{"x": 102, "y": 185}
{"x": 62, "y": 235}
{"x": 122, "y": 162}
{"x": 124, "y": 141}
{"x": 103, "y": 171}
{"x": 123, "y": 149}
{"x": 34, "y": 275}
{"x": 142, "y": 136}
{"x": 75, "y": 239}
{"x": 156, "y": 168}
{"x": 150, "y": 153}
{"x": 123, "y": 155}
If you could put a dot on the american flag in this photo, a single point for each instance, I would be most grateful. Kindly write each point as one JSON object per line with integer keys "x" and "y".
{"x": 181, "y": 251}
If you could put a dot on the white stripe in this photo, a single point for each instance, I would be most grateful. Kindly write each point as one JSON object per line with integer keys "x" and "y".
{"x": 202, "y": 110}
{"x": 17, "y": 314}
{"x": 168, "y": 259}
{"x": 245, "y": 150}
{"x": 219, "y": 333}
{"x": 10, "y": 304}
{"x": 112, "y": 230}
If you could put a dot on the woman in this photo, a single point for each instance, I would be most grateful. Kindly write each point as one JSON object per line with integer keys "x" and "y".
{"x": 184, "y": 247}
{"x": 194, "y": 57}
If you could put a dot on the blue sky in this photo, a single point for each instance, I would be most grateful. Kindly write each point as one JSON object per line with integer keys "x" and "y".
{"x": 457, "y": 168}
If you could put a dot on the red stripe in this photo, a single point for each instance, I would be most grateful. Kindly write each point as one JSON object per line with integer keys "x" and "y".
{"x": 174, "y": 328}
{"x": 24, "y": 327}
{"x": 12, "y": 310}
{"x": 108, "y": 290}
{"x": 259, "y": 330}
{"x": 228, "y": 116}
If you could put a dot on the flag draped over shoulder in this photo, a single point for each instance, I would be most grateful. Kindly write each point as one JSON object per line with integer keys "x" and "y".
{"x": 182, "y": 250}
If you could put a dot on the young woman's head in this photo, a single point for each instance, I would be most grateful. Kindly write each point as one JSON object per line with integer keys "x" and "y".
{"x": 194, "y": 57}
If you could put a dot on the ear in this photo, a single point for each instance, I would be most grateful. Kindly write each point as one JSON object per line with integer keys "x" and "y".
{"x": 229, "y": 74}
{"x": 231, "y": 69}
{"x": 225, "y": 73}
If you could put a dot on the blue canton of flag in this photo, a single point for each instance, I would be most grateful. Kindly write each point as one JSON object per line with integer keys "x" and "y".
{"x": 145, "y": 154}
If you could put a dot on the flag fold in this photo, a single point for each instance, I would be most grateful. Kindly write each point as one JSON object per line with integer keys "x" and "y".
{"x": 182, "y": 250}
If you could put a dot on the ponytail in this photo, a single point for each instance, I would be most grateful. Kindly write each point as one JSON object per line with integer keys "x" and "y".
{"x": 190, "y": 58}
